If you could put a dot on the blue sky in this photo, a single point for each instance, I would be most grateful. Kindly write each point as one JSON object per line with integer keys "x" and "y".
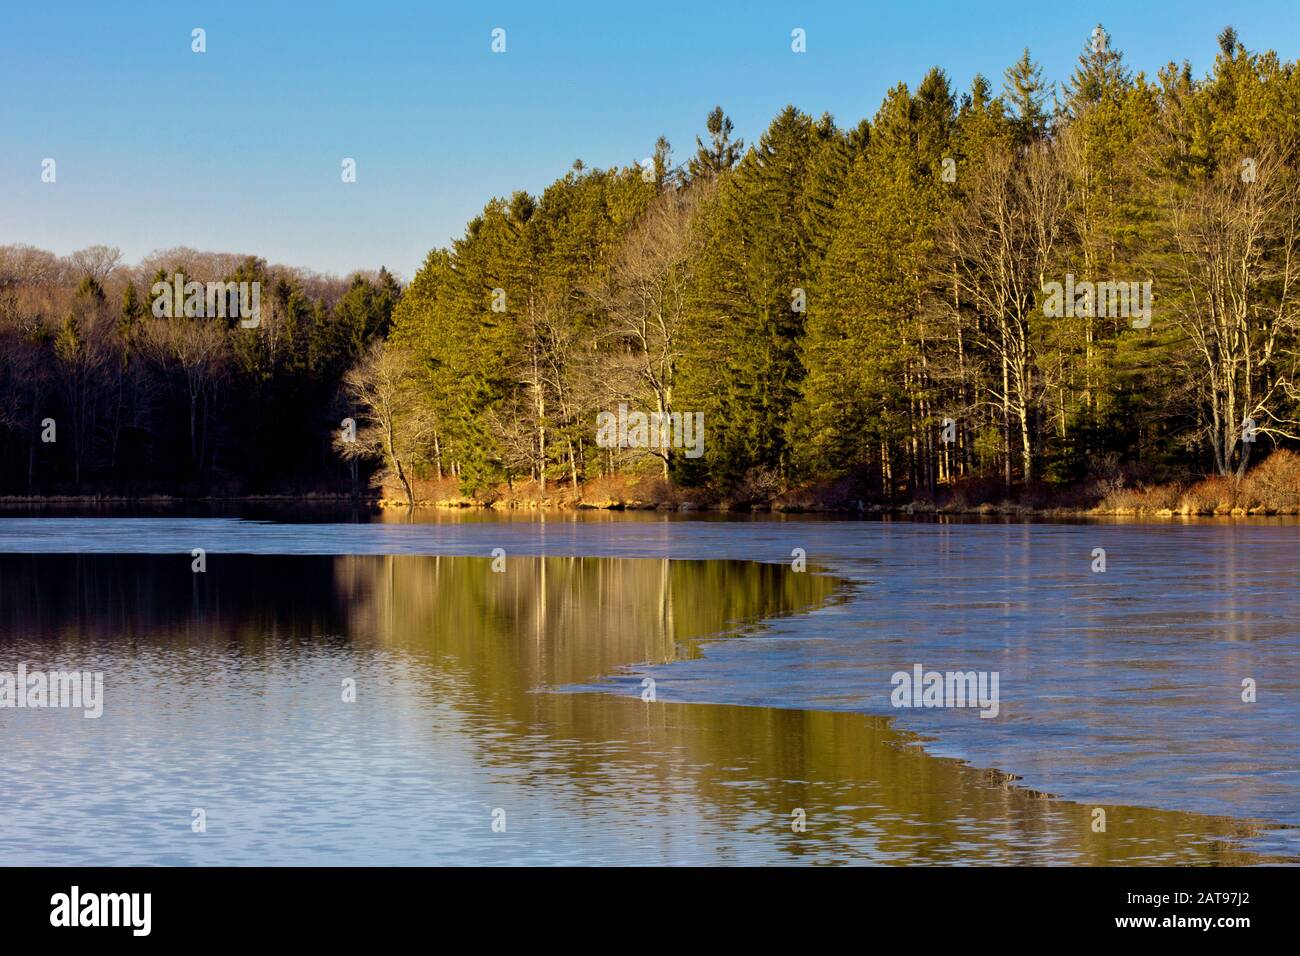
{"x": 239, "y": 149}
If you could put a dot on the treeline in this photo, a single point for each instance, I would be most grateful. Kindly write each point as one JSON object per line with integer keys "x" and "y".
{"x": 98, "y": 395}
{"x": 1019, "y": 290}
{"x": 868, "y": 308}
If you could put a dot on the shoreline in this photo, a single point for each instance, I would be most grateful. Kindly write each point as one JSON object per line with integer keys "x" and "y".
{"x": 910, "y": 509}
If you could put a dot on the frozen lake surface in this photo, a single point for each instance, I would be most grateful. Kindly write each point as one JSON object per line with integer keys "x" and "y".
{"x": 1120, "y": 689}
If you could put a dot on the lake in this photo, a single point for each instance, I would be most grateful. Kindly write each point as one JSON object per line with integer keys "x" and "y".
{"x": 342, "y": 687}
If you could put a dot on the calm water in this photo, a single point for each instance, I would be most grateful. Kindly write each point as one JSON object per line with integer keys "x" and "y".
{"x": 519, "y": 691}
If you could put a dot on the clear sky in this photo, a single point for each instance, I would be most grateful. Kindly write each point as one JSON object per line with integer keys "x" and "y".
{"x": 239, "y": 149}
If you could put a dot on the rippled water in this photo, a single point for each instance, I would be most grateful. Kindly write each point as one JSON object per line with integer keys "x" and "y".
{"x": 519, "y": 691}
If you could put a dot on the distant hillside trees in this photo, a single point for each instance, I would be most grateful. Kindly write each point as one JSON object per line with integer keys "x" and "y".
{"x": 175, "y": 405}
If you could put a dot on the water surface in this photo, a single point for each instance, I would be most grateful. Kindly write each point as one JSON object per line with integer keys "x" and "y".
{"x": 1119, "y": 690}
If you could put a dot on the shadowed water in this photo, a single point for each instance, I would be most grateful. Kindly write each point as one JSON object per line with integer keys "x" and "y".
{"x": 223, "y": 691}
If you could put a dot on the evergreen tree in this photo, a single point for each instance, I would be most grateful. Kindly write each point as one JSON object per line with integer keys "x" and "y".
{"x": 1100, "y": 73}
{"x": 721, "y": 153}
{"x": 742, "y": 365}
{"x": 1025, "y": 92}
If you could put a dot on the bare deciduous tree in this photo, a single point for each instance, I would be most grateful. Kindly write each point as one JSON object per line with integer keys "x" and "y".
{"x": 1237, "y": 242}
{"x": 199, "y": 349}
{"x": 1001, "y": 240}
{"x": 645, "y": 299}
{"x": 96, "y": 262}
{"x": 395, "y": 424}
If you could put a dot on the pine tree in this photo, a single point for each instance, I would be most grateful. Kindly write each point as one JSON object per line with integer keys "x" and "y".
{"x": 1025, "y": 92}
{"x": 869, "y": 391}
{"x": 1100, "y": 74}
{"x": 721, "y": 153}
{"x": 742, "y": 367}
